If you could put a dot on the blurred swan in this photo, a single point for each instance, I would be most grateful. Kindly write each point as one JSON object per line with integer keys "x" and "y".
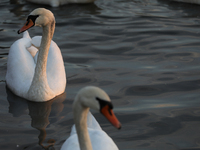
{"x": 89, "y": 133}
{"x": 56, "y": 3}
{"x": 189, "y": 1}
{"x": 36, "y": 74}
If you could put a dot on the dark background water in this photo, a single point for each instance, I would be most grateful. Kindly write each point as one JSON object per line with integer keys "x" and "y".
{"x": 144, "y": 53}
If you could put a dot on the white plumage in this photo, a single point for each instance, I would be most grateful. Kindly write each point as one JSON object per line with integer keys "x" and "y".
{"x": 89, "y": 133}
{"x": 36, "y": 75}
{"x": 99, "y": 139}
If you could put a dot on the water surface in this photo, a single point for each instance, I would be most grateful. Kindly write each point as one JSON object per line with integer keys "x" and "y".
{"x": 144, "y": 53}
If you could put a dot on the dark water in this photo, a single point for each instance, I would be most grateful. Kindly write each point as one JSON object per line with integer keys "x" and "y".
{"x": 144, "y": 53}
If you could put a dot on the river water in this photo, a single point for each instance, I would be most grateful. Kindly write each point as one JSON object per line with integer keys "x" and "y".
{"x": 144, "y": 53}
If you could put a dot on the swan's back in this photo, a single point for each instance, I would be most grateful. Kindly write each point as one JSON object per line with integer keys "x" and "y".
{"x": 99, "y": 139}
{"x": 22, "y": 59}
{"x": 55, "y": 67}
{"x": 91, "y": 123}
{"x": 20, "y": 67}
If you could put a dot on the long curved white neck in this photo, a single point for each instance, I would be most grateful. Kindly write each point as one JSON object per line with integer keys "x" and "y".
{"x": 47, "y": 35}
{"x": 80, "y": 119}
{"x": 39, "y": 83}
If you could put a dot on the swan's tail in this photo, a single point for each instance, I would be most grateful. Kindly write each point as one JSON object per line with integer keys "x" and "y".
{"x": 26, "y": 35}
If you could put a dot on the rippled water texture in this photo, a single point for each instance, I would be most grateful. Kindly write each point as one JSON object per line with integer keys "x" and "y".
{"x": 144, "y": 53}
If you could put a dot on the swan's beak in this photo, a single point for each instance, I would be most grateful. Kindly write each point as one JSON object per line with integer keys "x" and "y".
{"x": 109, "y": 114}
{"x": 27, "y": 25}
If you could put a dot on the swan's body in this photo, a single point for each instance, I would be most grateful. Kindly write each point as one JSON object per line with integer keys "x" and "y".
{"x": 36, "y": 75}
{"x": 189, "y": 1}
{"x": 89, "y": 135}
{"x": 56, "y": 3}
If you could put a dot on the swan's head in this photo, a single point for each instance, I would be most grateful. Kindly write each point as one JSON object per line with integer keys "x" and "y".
{"x": 38, "y": 17}
{"x": 97, "y": 99}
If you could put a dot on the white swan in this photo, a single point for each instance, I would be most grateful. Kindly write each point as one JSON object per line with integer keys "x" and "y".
{"x": 36, "y": 75}
{"x": 56, "y": 3}
{"x": 189, "y": 1}
{"x": 89, "y": 133}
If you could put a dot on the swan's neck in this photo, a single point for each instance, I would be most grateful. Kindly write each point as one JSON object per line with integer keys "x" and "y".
{"x": 80, "y": 119}
{"x": 40, "y": 69}
{"x": 39, "y": 88}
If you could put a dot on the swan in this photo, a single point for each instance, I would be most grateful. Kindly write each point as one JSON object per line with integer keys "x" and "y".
{"x": 56, "y": 3}
{"x": 36, "y": 74}
{"x": 189, "y": 1}
{"x": 89, "y": 133}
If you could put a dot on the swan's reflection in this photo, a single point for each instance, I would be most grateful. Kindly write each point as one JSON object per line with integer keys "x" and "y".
{"x": 40, "y": 112}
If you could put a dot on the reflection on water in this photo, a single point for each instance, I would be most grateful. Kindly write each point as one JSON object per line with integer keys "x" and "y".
{"x": 40, "y": 112}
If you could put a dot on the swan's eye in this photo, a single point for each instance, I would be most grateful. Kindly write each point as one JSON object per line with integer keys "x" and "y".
{"x": 32, "y": 17}
{"x": 104, "y": 103}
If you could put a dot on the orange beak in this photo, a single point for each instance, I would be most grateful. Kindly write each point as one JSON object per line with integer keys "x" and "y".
{"x": 27, "y": 25}
{"x": 109, "y": 114}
